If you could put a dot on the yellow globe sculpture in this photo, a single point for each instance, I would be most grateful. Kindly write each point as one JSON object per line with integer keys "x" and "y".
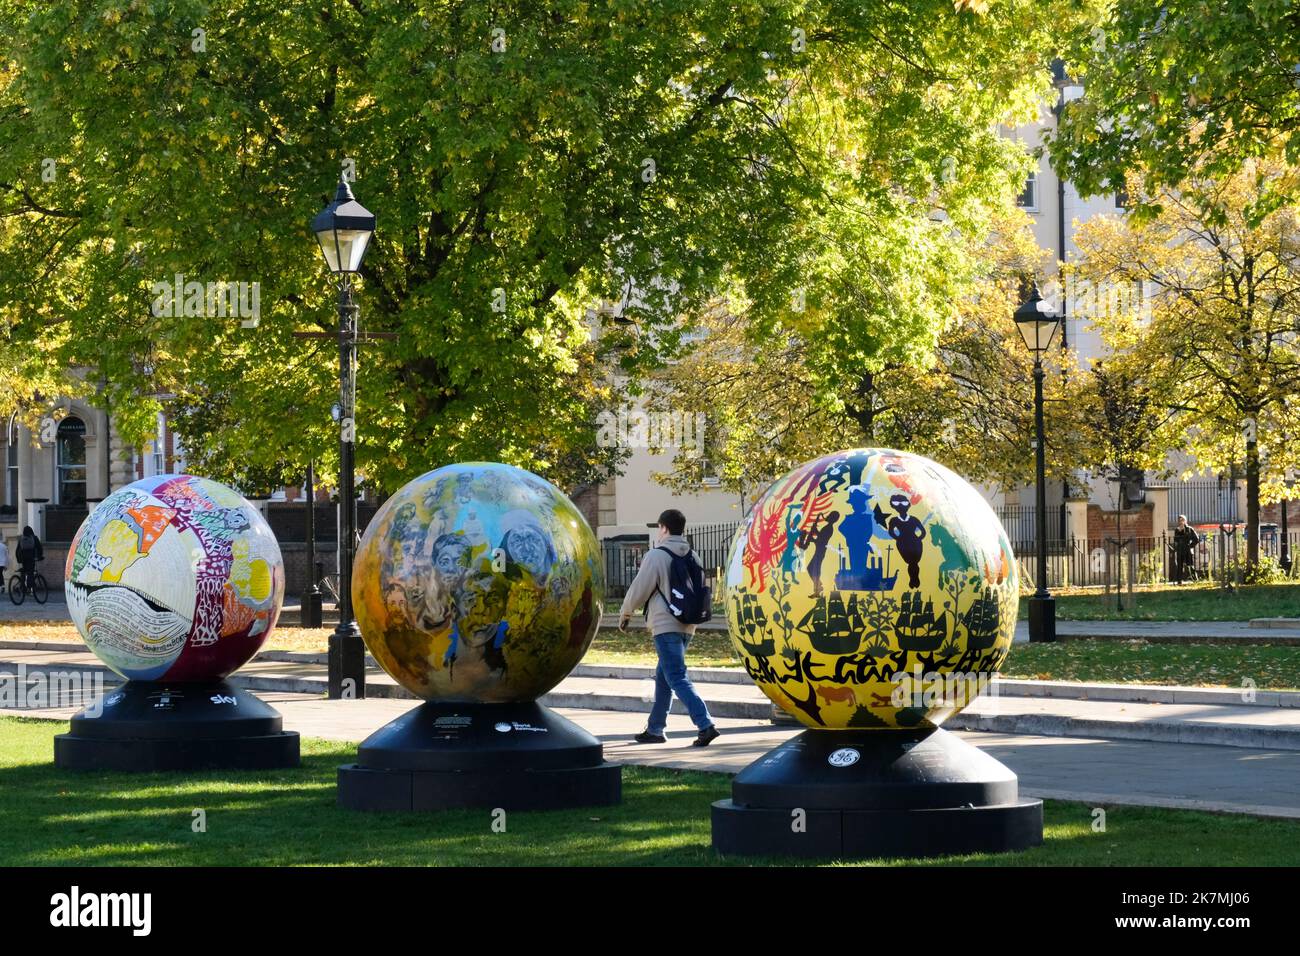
{"x": 478, "y": 582}
{"x": 871, "y": 588}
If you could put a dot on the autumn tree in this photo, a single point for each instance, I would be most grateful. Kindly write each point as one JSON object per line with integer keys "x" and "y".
{"x": 774, "y": 400}
{"x": 1218, "y": 334}
{"x": 524, "y": 161}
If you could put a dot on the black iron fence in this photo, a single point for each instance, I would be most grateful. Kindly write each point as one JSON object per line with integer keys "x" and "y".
{"x": 62, "y": 522}
{"x": 288, "y": 519}
{"x": 623, "y": 554}
{"x": 1071, "y": 561}
{"x": 1133, "y": 560}
{"x": 1020, "y": 522}
{"x": 1204, "y": 501}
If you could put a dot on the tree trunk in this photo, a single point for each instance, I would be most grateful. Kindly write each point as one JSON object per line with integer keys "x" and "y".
{"x": 1252, "y": 504}
{"x": 863, "y": 410}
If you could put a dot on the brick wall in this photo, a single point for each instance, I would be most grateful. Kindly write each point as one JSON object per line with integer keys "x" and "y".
{"x": 1101, "y": 524}
{"x": 1272, "y": 514}
{"x": 587, "y": 500}
{"x": 295, "y": 565}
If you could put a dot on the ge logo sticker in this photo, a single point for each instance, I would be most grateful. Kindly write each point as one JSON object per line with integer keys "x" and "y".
{"x": 844, "y": 757}
{"x": 504, "y": 727}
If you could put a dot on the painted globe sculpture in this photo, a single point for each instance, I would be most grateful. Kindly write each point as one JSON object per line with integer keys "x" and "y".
{"x": 478, "y": 582}
{"x": 174, "y": 578}
{"x": 871, "y": 588}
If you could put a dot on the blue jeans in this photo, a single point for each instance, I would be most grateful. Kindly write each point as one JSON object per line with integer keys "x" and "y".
{"x": 670, "y": 678}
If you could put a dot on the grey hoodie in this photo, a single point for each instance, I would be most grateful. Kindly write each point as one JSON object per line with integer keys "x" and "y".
{"x": 651, "y": 583}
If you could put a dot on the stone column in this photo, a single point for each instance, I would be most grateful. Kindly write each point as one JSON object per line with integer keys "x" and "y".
{"x": 1160, "y": 517}
{"x": 1076, "y": 518}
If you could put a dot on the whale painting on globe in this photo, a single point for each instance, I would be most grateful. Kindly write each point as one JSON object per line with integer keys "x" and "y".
{"x": 174, "y": 582}
{"x": 872, "y": 594}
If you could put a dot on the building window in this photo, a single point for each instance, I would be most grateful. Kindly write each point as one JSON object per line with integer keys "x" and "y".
{"x": 1121, "y": 199}
{"x": 70, "y": 457}
{"x": 1029, "y": 195}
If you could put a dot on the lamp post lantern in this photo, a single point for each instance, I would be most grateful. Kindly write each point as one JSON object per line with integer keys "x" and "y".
{"x": 343, "y": 230}
{"x": 1037, "y": 328}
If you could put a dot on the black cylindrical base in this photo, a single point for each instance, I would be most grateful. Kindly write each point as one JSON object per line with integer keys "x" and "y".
{"x": 311, "y": 609}
{"x": 1042, "y": 618}
{"x": 877, "y": 793}
{"x": 146, "y": 726}
{"x": 513, "y": 756}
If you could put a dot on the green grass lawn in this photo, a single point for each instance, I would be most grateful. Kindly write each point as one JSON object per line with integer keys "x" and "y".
{"x": 636, "y": 646}
{"x": 1189, "y": 602}
{"x": 1270, "y": 666}
{"x": 287, "y": 817}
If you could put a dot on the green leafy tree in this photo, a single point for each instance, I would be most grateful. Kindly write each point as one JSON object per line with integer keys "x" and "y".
{"x": 1181, "y": 88}
{"x": 524, "y": 161}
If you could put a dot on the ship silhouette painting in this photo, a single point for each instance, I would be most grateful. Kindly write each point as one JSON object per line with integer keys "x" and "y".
{"x": 917, "y": 628}
{"x": 981, "y": 621}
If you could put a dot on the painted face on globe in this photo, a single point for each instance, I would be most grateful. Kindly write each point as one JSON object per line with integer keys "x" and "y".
{"x": 871, "y": 589}
{"x": 174, "y": 578}
{"x": 478, "y": 582}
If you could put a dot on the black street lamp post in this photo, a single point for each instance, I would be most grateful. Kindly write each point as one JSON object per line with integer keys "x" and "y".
{"x": 343, "y": 229}
{"x": 1286, "y": 544}
{"x": 311, "y": 600}
{"x": 1037, "y": 328}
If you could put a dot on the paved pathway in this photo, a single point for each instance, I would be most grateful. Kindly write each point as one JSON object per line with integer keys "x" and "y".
{"x": 1094, "y": 771}
{"x": 1163, "y": 714}
{"x": 1277, "y": 631}
{"x": 52, "y": 610}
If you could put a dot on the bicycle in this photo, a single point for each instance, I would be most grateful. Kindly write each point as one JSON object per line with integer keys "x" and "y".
{"x": 329, "y": 584}
{"x": 28, "y": 582}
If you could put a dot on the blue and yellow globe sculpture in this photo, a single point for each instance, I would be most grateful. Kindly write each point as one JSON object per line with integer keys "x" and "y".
{"x": 478, "y": 587}
{"x": 478, "y": 582}
{"x": 862, "y": 575}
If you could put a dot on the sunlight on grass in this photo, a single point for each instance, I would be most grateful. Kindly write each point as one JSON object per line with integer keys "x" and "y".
{"x": 1270, "y": 667}
{"x": 290, "y": 817}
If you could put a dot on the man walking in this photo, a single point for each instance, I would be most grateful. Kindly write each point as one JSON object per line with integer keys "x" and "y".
{"x": 653, "y": 583}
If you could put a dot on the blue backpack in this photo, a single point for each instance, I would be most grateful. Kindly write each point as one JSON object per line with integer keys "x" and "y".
{"x": 689, "y": 600}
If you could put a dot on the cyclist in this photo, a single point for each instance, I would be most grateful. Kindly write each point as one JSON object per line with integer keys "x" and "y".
{"x": 4, "y": 561}
{"x": 29, "y": 552}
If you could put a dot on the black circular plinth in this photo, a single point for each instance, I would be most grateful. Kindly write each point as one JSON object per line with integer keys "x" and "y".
{"x": 153, "y": 725}
{"x": 443, "y": 756}
{"x": 875, "y": 794}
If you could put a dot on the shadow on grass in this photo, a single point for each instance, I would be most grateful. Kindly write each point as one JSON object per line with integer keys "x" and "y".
{"x": 290, "y": 817}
